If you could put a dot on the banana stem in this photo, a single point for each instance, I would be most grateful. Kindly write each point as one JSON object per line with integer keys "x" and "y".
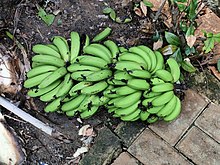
{"x": 27, "y": 117}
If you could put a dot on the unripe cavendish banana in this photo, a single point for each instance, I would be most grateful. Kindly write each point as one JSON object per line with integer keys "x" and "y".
{"x": 122, "y": 75}
{"x": 164, "y": 75}
{"x": 102, "y": 35}
{"x": 138, "y": 84}
{"x": 144, "y": 74}
{"x": 122, "y": 49}
{"x": 162, "y": 87}
{"x": 95, "y": 88}
{"x": 78, "y": 67}
{"x": 156, "y": 81}
{"x": 128, "y": 110}
{"x": 113, "y": 47}
{"x": 40, "y": 70}
{"x": 99, "y": 75}
{"x": 152, "y": 119}
{"x": 53, "y": 47}
{"x": 53, "y": 106}
{"x": 160, "y": 61}
{"x": 132, "y": 116}
{"x": 89, "y": 112}
{"x": 67, "y": 85}
{"x": 78, "y": 87}
{"x": 163, "y": 99}
{"x": 124, "y": 90}
{"x": 53, "y": 77}
{"x": 155, "y": 110}
{"x": 144, "y": 115}
{"x": 128, "y": 65}
{"x": 49, "y": 60}
{"x": 150, "y": 94}
{"x": 174, "y": 69}
{"x": 115, "y": 82}
{"x": 75, "y": 46}
{"x": 168, "y": 108}
{"x": 87, "y": 41}
{"x": 72, "y": 112}
{"x": 81, "y": 75}
{"x": 44, "y": 49}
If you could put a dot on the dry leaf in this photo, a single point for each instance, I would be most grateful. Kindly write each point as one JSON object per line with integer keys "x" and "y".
{"x": 191, "y": 39}
{"x": 157, "y": 45}
{"x": 143, "y": 8}
{"x": 138, "y": 12}
{"x": 214, "y": 59}
{"x": 83, "y": 129}
{"x": 80, "y": 151}
{"x": 215, "y": 72}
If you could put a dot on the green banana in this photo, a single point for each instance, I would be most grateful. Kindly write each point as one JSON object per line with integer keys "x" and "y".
{"x": 122, "y": 49}
{"x": 164, "y": 75}
{"x": 40, "y": 70}
{"x": 152, "y": 119}
{"x": 95, "y": 88}
{"x": 160, "y": 61}
{"x": 102, "y": 35}
{"x": 155, "y": 110}
{"x": 89, "y": 112}
{"x": 128, "y": 100}
{"x": 128, "y": 110}
{"x": 163, "y": 99}
{"x": 99, "y": 101}
{"x": 75, "y": 46}
{"x": 162, "y": 87}
{"x": 99, "y": 75}
{"x": 50, "y": 60}
{"x": 122, "y": 75}
{"x": 60, "y": 72}
{"x": 113, "y": 109}
{"x": 72, "y": 112}
{"x": 36, "y": 64}
{"x": 53, "y": 106}
{"x": 86, "y": 103}
{"x": 144, "y": 115}
{"x": 156, "y": 81}
{"x": 143, "y": 54}
{"x": 144, "y": 74}
{"x": 110, "y": 93}
{"x": 168, "y": 108}
{"x": 152, "y": 56}
{"x": 73, "y": 104}
{"x": 113, "y": 47}
{"x": 92, "y": 61}
{"x": 50, "y": 95}
{"x": 98, "y": 50}
{"x": 115, "y": 82}
{"x": 174, "y": 69}
{"x": 112, "y": 101}
{"x": 34, "y": 81}
{"x": 132, "y": 116}
{"x": 81, "y": 75}
{"x": 53, "y": 47}
{"x": 38, "y": 92}
{"x": 87, "y": 41}
{"x": 62, "y": 45}
{"x": 150, "y": 94}
{"x": 128, "y": 65}
{"x": 124, "y": 90}
{"x": 44, "y": 49}
{"x": 78, "y": 67}
{"x": 78, "y": 87}
{"x": 175, "y": 113}
{"x": 138, "y": 84}
{"x": 67, "y": 85}
{"x": 148, "y": 102}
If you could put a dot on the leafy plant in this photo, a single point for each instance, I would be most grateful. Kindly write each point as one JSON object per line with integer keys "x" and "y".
{"x": 47, "y": 18}
{"x": 210, "y": 41}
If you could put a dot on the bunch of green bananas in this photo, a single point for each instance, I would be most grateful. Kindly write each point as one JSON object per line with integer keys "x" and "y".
{"x": 133, "y": 84}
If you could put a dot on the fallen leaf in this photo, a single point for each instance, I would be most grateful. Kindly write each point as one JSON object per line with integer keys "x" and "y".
{"x": 138, "y": 12}
{"x": 143, "y": 8}
{"x": 215, "y": 72}
{"x": 157, "y": 45}
{"x": 168, "y": 50}
{"x": 214, "y": 59}
{"x": 83, "y": 129}
{"x": 80, "y": 151}
{"x": 187, "y": 66}
{"x": 191, "y": 39}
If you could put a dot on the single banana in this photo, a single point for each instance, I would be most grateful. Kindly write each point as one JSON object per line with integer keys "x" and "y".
{"x": 164, "y": 75}
{"x": 78, "y": 67}
{"x": 102, "y": 35}
{"x": 128, "y": 65}
{"x": 151, "y": 55}
{"x": 143, "y": 54}
{"x": 36, "y": 64}
{"x": 115, "y": 82}
{"x": 174, "y": 69}
{"x": 144, "y": 115}
{"x": 122, "y": 49}
{"x": 38, "y": 92}
{"x": 75, "y": 46}
{"x": 163, "y": 99}
{"x": 162, "y": 87}
{"x": 57, "y": 74}
{"x": 113, "y": 47}
{"x": 122, "y": 75}
{"x": 87, "y": 41}
{"x": 99, "y": 75}
{"x": 72, "y": 113}
{"x": 78, "y": 87}
{"x": 128, "y": 56}
{"x": 124, "y": 90}
{"x": 128, "y": 110}
{"x": 168, "y": 108}
{"x": 98, "y": 50}
{"x": 128, "y": 100}
{"x": 67, "y": 85}
{"x": 95, "y": 88}
{"x": 113, "y": 100}
{"x": 156, "y": 81}
{"x": 150, "y": 94}
{"x": 99, "y": 101}
{"x": 45, "y": 49}
{"x": 175, "y": 113}
{"x": 144, "y": 74}
{"x": 152, "y": 119}
{"x": 62, "y": 45}
{"x": 53, "y": 106}
{"x": 160, "y": 61}
{"x": 34, "y": 81}
{"x": 92, "y": 61}
{"x": 53, "y": 47}
{"x": 148, "y": 102}
{"x": 138, "y": 84}
{"x": 40, "y": 70}
{"x": 49, "y": 96}
{"x": 132, "y": 116}
{"x": 110, "y": 93}
{"x": 73, "y": 104}
{"x": 113, "y": 109}
{"x": 86, "y": 103}
{"x": 89, "y": 112}
{"x": 155, "y": 110}
{"x": 50, "y": 60}
{"x": 81, "y": 75}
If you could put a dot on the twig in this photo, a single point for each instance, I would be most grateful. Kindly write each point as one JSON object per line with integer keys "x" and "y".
{"x": 159, "y": 11}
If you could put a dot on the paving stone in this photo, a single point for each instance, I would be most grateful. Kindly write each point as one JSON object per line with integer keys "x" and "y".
{"x": 200, "y": 148}
{"x": 192, "y": 104}
{"x": 105, "y": 148}
{"x": 150, "y": 149}
{"x": 125, "y": 159}
{"x": 128, "y": 131}
{"x": 209, "y": 121}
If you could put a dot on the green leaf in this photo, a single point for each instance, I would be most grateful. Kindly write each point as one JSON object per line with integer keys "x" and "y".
{"x": 112, "y": 15}
{"x": 177, "y": 56}
{"x": 147, "y": 3}
{"x": 217, "y": 37}
{"x": 208, "y": 45}
{"x": 107, "y": 10}
{"x": 190, "y": 30}
{"x": 172, "y": 38}
{"x": 182, "y": 1}
{"x": 168, "y": 50}
{"x": 187, "y": 66}
{"x": 181, "y": 7}
{"x": 218, "y": 65}
{"x": 189, "y": 50}
{"x": 192, "y": 9}
{"x": 47, "y": 18}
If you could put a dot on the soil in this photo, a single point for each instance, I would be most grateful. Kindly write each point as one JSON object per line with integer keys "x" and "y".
{"x": 85, "y": 17}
